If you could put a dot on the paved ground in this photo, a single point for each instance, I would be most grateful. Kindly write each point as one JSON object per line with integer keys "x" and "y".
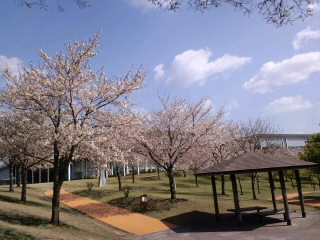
{"x": 122, "y": 219}
{"x": 273, "y": 229}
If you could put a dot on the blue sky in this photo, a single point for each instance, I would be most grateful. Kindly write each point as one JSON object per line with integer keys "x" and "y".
{"x": 242, "y": 63}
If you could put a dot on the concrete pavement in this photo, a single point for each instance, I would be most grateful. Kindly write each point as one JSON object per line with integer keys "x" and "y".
{"x": 273, "y": 229}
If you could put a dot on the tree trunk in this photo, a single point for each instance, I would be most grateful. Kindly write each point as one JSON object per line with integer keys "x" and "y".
{"x": 60, "y": 168}
{"x": 258, "y": 182}
{"x": 11, "y": 177}
{"x": 158, "y": 170}
{"x": 196, "y": 177}
{"x": 24, "y": 184}
{"x": 119, "y": 178}
{"x": 253, "y": 182}
{"x": 240, "y": 184}
{"x": 292, "y": 183}
{"x": 184, "y": 173}
{"x": 132, "y": 168}
{"x": 286, "y": 176}
{"x": 18, "y": 176}
{"x": 310, "y": 177}
{"x": 102, "y": 177}
{"x": 223, "y": 185}
{"x": 56, "y": 203}
{"x": 172, "y": 184}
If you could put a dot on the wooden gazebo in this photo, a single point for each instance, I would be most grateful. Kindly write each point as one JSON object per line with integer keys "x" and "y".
{"x": 257, "y": 162}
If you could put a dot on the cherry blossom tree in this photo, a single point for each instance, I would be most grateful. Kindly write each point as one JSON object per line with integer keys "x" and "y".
{"x": 225, "y": 147}
{"x": 19, "y": 139}
{"x": 275, "y": 12}
{"x": 196, "y": 159}
{"x": 168, "y": 135}
{"x": 43, "y": 4}
{"x": 73, "y": 100}
{"x": 258, "y": 135}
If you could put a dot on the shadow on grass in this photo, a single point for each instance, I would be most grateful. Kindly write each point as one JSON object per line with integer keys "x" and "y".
{"x": 17, "y": 201}
{"x": 26, "y": 220}
{"x": 197, "y": 221}
{"x": 192, "y": 181}
{"x": 309, "y": 200}
{"x": 154, "y": 204}
{"x": 11, "y": 234}
{"x": 93, "y": 194}
{"x": 150, "y": 178}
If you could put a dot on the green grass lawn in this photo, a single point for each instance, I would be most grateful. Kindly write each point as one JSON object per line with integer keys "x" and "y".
{"x": 31, "y": 220}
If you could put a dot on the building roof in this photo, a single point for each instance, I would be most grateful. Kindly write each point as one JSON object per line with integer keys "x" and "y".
{"x": 288, "y": 135}
{"x": 254, "y": 162}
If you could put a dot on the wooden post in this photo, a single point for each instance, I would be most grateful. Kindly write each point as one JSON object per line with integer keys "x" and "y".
{"x": 272, "y": 188}
{"x": 284, "y": 198}
{"x": 303, "y": 211}
{"x": 48, "y": 174}
{"x": 215, "y": 197}
{"x": 32, "y": 177}
{"x": 85, "y": 169}
{"x": 39, "y": 175}
{"x": 236, "y": 199}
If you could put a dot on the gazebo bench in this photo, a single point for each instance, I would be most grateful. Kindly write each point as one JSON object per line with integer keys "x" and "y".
{"x": 268, "y": 213}
{"x": 248, "y": 209}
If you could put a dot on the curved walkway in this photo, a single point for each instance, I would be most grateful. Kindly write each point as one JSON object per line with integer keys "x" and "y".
{"x": 294, "y": 198}
{"x": 125, "y": 220}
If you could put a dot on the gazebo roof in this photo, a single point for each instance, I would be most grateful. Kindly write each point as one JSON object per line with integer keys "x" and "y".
{"x": 254, "y": 162}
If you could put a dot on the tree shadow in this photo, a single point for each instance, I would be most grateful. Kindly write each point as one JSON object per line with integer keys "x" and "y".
{"x": 150, "y": 178}
{"x": 154, "y": 204}
{"x": 26, "y": 220}
{"x": 309, "y": 200}
{"x": 95, "y": 194}
{"x": 17, "y": 201}
{"x": 11, "y": 234}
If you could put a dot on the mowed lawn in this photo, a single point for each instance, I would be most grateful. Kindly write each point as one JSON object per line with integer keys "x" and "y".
{"x": 31, "y": 220}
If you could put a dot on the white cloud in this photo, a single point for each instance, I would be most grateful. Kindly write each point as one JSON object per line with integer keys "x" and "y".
{"x": 14, "y": 63}
{"x": 315, "y": 7}
{"x": 159, "y": 71}
{"x": 208, "y": 103}
{"x": 289, "y": 71}
{"x": 194, "y": 66}
{"x": 232, "y": 106}
{"x": 288, "y": 104}
{"x": 140, "y": 110}
{"x": 141, "y": 4}
{"x": 303, "y": 37}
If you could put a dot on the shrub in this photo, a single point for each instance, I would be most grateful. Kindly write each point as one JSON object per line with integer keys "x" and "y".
{"x": 90, "y": 186}
{"x": 126, "y": 190}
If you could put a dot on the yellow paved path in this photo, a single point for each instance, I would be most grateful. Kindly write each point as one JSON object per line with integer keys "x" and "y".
{"x": 125, "y": 220}
{"x": 294, "y": 198}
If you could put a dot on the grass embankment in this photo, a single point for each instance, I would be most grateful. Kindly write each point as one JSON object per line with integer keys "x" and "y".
{"x": 192, "y": 203}
{"x": 30, "y": 221}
